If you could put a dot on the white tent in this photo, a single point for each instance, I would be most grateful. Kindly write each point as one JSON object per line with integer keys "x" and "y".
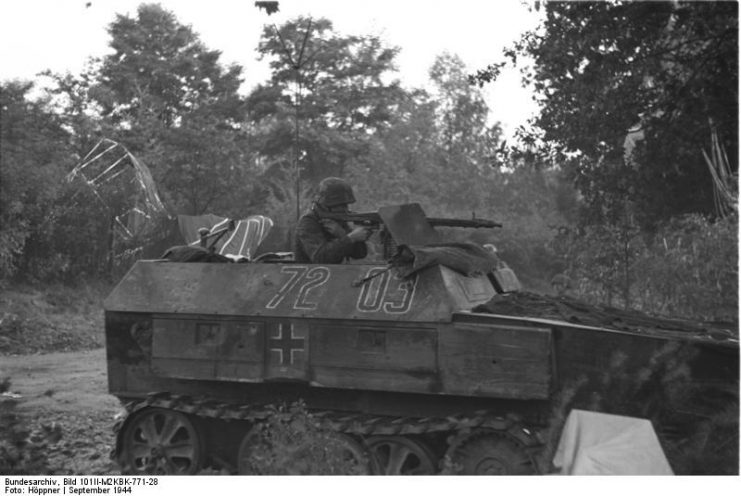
{"x": 595, "y": 443}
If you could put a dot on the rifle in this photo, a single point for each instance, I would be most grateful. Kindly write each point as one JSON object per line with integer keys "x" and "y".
{"x": 373, "y": 220}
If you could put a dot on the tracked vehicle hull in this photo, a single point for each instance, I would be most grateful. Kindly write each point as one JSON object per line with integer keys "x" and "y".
{"x": 412, "y": 371}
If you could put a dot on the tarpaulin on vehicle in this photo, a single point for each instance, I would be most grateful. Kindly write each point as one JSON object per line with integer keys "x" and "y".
{"x": 467, "y": 258}
{"x": 594, "y": 443}
{"x": 242, "y": 241}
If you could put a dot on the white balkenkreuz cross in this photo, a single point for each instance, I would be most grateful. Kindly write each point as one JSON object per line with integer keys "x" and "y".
{"x": 286, "y": 343}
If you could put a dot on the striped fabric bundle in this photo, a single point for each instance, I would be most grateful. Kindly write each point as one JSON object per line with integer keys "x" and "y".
{"x": 241, "y": 242}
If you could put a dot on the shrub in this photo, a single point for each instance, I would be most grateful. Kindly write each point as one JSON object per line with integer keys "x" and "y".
{"x": 691, "y": 269}
{"x": 688, "y": 268}
{"x": 664, "y": 392}
{"x": 292, "y": 442}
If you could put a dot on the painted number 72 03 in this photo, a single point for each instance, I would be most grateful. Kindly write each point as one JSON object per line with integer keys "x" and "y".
{"x": 383, "y": 292}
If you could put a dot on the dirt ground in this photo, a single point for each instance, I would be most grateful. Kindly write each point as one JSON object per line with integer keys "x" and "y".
{"x": 68, "y": 390}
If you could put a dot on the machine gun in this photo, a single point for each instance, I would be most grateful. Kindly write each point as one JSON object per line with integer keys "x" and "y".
{"x": 404, "y": 225}
{"x": 374, "y": 220}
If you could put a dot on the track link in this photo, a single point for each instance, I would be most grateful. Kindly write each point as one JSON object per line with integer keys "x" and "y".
{"x": 356, "y": 424}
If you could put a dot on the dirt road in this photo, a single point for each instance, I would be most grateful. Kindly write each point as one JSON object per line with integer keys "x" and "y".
{"x": 68, "y": 390}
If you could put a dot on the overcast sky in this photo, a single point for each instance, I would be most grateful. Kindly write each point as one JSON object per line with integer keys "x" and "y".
{"x": 62, "y": 34}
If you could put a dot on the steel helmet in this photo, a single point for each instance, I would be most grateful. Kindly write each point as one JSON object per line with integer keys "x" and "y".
{"x": 334, "y": 191}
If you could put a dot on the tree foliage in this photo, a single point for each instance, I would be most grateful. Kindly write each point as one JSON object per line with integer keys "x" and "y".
{"x": 33, "y": 159}
{"x": 169, "y": 100}
{"x": 159, "y": 68}
{"x": 336, "y": 85}
{"x": 664, "y": 72}
{"x": 397, "y": 165}
{"x": 438, "y": 148}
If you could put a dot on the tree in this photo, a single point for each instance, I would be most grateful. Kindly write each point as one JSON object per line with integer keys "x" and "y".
{"x": 467, "y": 144}
{"x": 334, "y": 85}
{"x": 32, "y": 163}
{"x": 396, "y": 167}
{"x": 167, "y": 98}
{"x": 50, "y": 229}
{"x": 462, "y": 112}
{"x": 160, "y": 68}
{"x": 668, "y": 71}
{"x": 437, "y": 148}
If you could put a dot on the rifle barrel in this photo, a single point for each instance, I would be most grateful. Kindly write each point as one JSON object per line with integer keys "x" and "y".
{"x": 372, "y": 218}
{"x": 475, "y": 223}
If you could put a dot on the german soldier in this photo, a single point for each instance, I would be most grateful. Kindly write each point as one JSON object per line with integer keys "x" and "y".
{"x": 320, "y": 240}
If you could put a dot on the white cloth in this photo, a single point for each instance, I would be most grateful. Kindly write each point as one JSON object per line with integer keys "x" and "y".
{"x": 242, "y": 242}
{"x": 595, "y": 443}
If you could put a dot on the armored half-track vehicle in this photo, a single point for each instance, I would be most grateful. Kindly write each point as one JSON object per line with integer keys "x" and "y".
{"x": 429, "y": 357}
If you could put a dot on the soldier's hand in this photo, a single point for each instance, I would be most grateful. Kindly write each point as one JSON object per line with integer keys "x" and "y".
{"x": 360, "y": 234}
{"x": 333, "y": 228}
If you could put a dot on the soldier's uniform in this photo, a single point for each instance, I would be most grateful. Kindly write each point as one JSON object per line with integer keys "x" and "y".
{"x": 315, "y": 243}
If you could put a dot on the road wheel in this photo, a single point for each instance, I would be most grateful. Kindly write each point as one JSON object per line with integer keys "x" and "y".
{"x": 488, "y": 453}
{"x": 357, "y": 457}
{"x": 254, "y": 453}
{"x": 160, "y": 441}
{"x": 399, "y": 455}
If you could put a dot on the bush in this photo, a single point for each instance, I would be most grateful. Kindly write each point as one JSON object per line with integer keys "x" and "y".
{"x": 689, "y": 268}
{"x": 664, "y": 392}
{"x": 292, "y": 442}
